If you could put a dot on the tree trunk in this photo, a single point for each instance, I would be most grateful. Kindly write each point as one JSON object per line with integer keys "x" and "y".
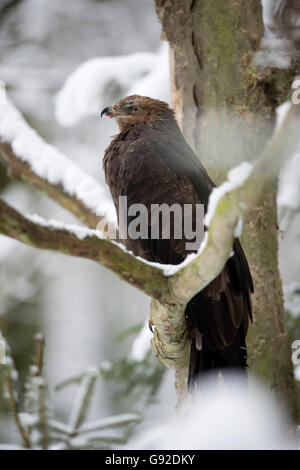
{"x": 226, "y": 109}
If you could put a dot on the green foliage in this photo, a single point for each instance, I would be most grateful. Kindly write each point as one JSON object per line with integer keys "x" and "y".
{"x": 136, "y": 381}
{"x": 36, "y": 415}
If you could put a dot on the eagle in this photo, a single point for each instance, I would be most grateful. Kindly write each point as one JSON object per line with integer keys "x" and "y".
{"x": 149, "y": 162}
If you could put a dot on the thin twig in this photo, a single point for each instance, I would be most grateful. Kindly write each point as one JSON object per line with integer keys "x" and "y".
{"x": 39, "y": 353}
{"x": 14, "y": 410}
{"x": 39, "y": 357}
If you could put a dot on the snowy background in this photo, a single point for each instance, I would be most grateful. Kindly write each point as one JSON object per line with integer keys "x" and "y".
{"x": 62, "y": 62}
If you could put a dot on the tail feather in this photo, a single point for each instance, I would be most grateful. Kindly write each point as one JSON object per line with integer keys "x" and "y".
{"x": 206, "y": 362}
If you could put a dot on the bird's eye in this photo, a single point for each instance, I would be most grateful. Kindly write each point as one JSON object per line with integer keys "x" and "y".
{"x": 132, "y": 108}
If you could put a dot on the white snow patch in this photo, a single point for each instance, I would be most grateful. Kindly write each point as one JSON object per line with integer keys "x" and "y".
{"x": 171, "y": 269}
{"x": 34, "y": 370}
{"x": 11, "y": 447}
{"x": 2, "y": 98}
{"x": 238, "y": 229}
{"x": 289, "y": 184}
{"x": 39, "y": 381}
{"x": 51, "y": 164}
{"x": 106, "y": 365}
{"x": 292, "y": 298}
{"x": 79, "y": 231}
{"x": 275, "y": 52}
{"x": 229, "y": 416}
{"x": 87, "y": 89}
{"x": 281, "y": 112}
{"x": 156, "y": 83}
{"x": 39, "y": 337}
{"x": 141, "y": 344}
{"x": 111, "y": 421}
{"x": 7, "y": 247}
{"x": 275, "y": 49}
{"x": 168, "y": 269}
{"x": 79, "y": 442}
{"x": 288, "y": 198}
{"x": 28, "y": 420}
{"x": 92, "y": 372}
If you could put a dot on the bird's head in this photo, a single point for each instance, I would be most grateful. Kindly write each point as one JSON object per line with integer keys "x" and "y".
{"x": 136, "y": 109}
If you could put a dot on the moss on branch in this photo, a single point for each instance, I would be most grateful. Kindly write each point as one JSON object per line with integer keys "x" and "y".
{"x": 149, "y": 279}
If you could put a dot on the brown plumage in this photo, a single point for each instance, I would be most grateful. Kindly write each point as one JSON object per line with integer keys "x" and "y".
{"x": 150, "y": 162}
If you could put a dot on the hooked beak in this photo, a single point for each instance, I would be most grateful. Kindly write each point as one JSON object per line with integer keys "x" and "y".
{"x": 114, "y": 111}
{"x": 108, "y": 111}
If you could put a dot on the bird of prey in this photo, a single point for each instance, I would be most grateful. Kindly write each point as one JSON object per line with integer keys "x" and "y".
{"x": 150, "y": 162}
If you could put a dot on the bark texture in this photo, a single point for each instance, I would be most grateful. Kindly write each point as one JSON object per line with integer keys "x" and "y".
{"x": 226, "y": 108}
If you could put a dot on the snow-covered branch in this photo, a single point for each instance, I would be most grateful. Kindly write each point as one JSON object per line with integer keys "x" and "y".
{"x": 32, "y": 160}
{"x": 87, "y": 243}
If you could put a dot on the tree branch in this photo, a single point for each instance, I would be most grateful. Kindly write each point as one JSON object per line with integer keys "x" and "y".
{"x": 20, "y": 170}
{"x": 30, "y": 159}
{"x": 14, "y": 409}
{"x": 111, "y": 255}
